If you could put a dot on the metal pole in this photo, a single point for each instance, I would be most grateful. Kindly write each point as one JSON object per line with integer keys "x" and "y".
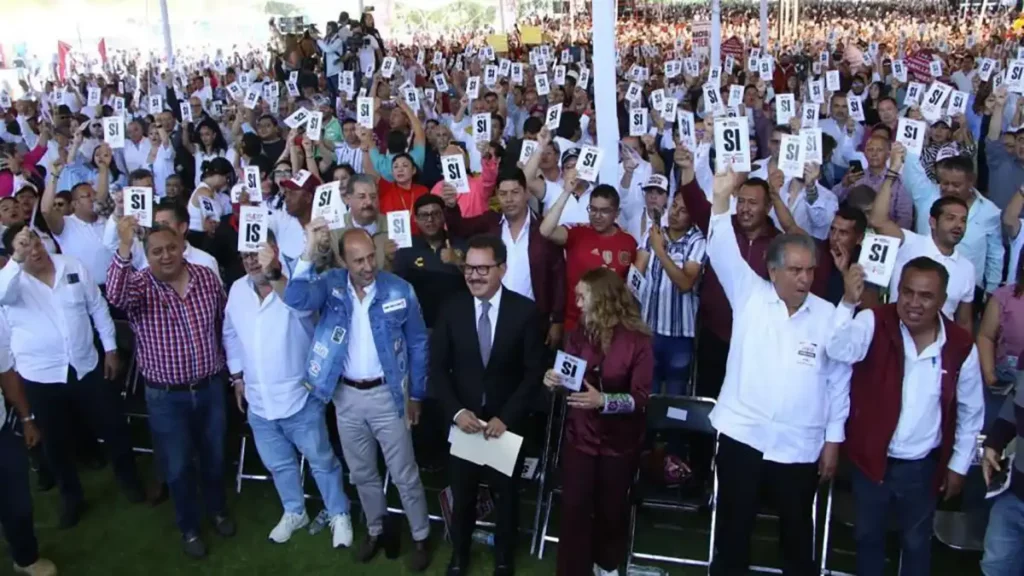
{"x": 603, "y": 68}
{"x": 716, "y": 33}
{"x": 764, "y": 24}
{"x": 168, "y": 47}
{"x": 501, "y": 12}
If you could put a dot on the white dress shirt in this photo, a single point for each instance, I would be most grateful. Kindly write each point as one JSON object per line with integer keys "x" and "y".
{"x": 815, "y": 218}
{"x": 846, "y": 145}
{"x": 575, "y": 210}
{"x": 5, "y": 363}
{"x": 782, "y": 394}
{"x": 50, "y": 327}
{"x": 362, "y": 362}
{"x": 84, "y": 241}
{"x": 961, "y": 271}
{"x": 267, "y": 342}
{"x": 162, "y": 168}
{"x": 517, "y": 274}
{"x": 291, "y": 237}
{"x": 136, "y": 155}
{"x": 1016, "y": 245}
{"x": 918, "y": 430}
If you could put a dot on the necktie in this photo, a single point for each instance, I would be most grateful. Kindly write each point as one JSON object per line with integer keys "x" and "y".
{"x": 483, "y": 331}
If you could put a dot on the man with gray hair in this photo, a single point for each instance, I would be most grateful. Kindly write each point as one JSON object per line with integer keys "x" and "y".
{"x": 784, "y": 402}
{"x": 364, "y": 213}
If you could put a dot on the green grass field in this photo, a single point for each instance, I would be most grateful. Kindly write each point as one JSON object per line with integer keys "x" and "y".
{"x": 116, "y": 538}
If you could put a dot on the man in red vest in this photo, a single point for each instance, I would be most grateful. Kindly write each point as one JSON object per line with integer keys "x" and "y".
{"x": 916, "y": 409}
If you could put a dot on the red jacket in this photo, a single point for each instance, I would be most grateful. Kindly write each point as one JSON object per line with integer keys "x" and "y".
{"x": 876, "y": 391}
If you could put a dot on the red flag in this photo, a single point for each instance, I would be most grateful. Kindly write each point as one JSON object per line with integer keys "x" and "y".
{"x": 103, "y": 49}
{"x": 63, "y": 49}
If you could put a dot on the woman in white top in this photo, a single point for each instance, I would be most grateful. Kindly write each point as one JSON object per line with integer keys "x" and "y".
{"x": 211, "y": 145}
{"x": 205, "y": 203}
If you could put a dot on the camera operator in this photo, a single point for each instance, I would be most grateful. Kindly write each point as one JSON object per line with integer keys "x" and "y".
{"x": 332, "y": 48}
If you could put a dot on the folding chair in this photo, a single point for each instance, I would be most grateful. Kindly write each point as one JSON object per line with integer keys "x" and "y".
{"x": 964, "y": 529}
{"x": 839, "y": 505}
{"x": 541, "y": 537}
{"x": 675, "y": 414}
{"x": 133, "y": 398}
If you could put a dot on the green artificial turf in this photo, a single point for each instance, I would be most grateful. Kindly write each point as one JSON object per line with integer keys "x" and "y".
{"x": 117, "y": 538}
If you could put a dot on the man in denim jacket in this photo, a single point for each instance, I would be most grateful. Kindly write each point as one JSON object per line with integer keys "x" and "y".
{"x": 370, "y": 356}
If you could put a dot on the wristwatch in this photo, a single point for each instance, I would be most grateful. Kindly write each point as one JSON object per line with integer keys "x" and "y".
{"x": 29, "y": 418}
{"x": 274, "y": 274}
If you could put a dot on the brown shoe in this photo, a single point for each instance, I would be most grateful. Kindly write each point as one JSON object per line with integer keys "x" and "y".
{"x": 419, "y": 560}
{"x": 41, "y": 567}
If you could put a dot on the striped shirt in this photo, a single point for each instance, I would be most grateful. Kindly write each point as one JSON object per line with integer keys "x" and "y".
{"x": 667, "y": 310}
{"x": 345, "y": 154}
{"x": 178, "y": 339}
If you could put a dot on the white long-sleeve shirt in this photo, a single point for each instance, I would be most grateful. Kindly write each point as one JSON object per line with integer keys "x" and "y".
{"x": 918, "y": 430}
{"x": 267, "y": 342}
{"x": 815, "y": 218}
{"x": 782, "y": 394}
{"x": 846, "y": 145}
{"x": 50, "y": 327}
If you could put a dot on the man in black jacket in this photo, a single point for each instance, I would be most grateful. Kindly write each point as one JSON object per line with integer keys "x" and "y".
{"x": 485, "y": 385}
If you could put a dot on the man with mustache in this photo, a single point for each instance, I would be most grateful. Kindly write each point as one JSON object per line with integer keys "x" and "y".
{"x": 916, "y": 407}
{"x": 948, "y": 222}
{"x": 364, "y": 213}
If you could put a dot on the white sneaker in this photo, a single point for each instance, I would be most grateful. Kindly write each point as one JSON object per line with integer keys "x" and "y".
{"x": 289, "y": 523}
{"x": 341, "y": 531}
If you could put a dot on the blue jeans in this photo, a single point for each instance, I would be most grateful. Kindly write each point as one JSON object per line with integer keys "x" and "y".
{"x": 672, "y": 356}
{"x": 1004, "y": 551}
{"x": 306, "y": 430}
{"x": 908, "y": 490}
{"x": 186, "y": 424}
{"x": 16, "y": 499}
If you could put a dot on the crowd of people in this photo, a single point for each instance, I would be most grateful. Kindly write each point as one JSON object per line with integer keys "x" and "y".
{"x": 339, "y": 220}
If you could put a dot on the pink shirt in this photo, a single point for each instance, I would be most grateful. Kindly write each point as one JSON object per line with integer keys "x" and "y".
{"x": 481, "y": 187}
{"x": 1011, "y": 323}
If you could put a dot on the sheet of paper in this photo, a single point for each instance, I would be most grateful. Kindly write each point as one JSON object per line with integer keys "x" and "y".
{"x": 498, "y": 453}
{"x": 138, "y": 202}
{"x": 364, "y": 112}
{"x": 638, "y": 122}
{"x": 910, "y": 133}
{"x": 732, "y": 142}
{"x": 113, "y": 131}
{"x": 553, "y": 116}
{"x": 297, "y": 118}
{"x": 327, "y": 204}
{"x": 636, "y": 283}
{"x": 589, "y": 164}
{"x": 252, "y": 228}
{"x": 482, "y": 127}
{"x": 454, "y": 172}
{"x": 400, "y": 228}
{"x": 878, "y": 257}
{"x": 791, "y": 156}
{"x": 571, "y": 370}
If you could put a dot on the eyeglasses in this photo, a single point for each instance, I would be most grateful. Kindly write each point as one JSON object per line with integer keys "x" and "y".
{"x": 432, "y": 215}
{"x": 601, "y": 211}
{"x": 482, "y": 270}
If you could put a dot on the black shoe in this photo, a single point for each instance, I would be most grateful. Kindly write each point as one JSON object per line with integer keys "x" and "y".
{"x": 507, "y": 569}
{"x": 420, "y": 557}
{"x": 193, "y": 545}
{"x": 70, "y": 514}
{"x": 368, "y": 548}
{"x": 458, "y": 565}
{"x": 224, "y": 525}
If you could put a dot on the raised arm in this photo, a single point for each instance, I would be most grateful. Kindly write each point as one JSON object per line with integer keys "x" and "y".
{"x": 1011, "y": 218}
{"x": 735, "y": 274}
{"x": 549, "y": 227}
{"x": 878, "y": 217}
{"x": 851, "y": 336}
{"x": 54, "y": 217}
{"x": 307, "y": 290}
{"x": 124, "y": 286}
{"x": 534, "y": 179}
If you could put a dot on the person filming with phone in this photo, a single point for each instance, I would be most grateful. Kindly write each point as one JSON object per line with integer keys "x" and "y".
{"x": 901, "y": 207}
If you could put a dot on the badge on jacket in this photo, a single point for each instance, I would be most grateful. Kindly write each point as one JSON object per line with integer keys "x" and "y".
{"x": 338, "y": 335}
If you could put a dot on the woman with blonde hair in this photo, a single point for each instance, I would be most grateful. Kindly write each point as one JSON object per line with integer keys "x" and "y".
{"x": 604, "y": 424}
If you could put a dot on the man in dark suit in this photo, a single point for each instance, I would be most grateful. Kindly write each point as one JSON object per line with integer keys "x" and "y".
{"x": 486, "y": 364}
{"x": 536, "y": 266}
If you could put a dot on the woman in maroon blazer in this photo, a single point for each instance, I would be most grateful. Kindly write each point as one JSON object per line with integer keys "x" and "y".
{"x": 605, "y": 424}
